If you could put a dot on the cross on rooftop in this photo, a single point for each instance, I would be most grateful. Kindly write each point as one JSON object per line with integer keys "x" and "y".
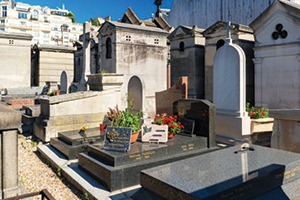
{"x": 228, "y": 35}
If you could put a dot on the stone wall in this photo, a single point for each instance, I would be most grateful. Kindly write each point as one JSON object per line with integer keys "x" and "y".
{"x": 205, "y": 13}
{"x": 15, "y": 60}
{"x": 52, "y": 61}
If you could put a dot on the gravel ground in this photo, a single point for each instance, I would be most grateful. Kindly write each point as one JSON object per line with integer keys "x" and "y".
{"x": 36, "y": 174}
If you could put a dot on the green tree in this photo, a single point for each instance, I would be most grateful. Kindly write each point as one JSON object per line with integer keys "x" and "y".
{"x": 95, "y": 22}
{"x": 71, "y": 16}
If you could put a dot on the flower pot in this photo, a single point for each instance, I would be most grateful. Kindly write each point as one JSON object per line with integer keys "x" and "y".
{"x": 58, "y": 92}
{"x": 134, "y": 136}
{"x": 261, "y": 125}
{"x": 170, "y": 135}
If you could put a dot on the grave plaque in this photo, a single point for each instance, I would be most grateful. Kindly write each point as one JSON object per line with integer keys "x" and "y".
{"x": 154, "y": 133}
{"x": 117, "y": 139}
{"x": 189, "y": 125}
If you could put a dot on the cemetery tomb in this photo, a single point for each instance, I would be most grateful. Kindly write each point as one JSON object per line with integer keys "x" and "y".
{"x": 239, "y": 172}
{"x": 70, "y": 143}
{"x": 118, "y": 165}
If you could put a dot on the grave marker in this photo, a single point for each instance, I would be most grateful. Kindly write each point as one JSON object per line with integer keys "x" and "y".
{"x": 189, "y": 126}
{"x": 117, "y": 139}
{"x": 154, "y": 133}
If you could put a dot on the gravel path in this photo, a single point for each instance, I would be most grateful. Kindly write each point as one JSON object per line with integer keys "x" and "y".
{"x": 36, "y": 174}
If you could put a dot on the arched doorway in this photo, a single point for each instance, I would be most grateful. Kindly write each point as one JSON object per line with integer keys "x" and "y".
{"x": 135, "y": 93}
{"x": 63, "y": 83}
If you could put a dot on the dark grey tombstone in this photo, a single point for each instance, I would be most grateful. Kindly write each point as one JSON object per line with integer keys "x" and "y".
{"x": 259, "y": 173}
{"x": 63, "y": 83}
{"x": 203, "y": 112}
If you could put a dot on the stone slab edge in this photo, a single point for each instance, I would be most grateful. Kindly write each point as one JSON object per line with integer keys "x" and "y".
{"x": 80, "y": 179}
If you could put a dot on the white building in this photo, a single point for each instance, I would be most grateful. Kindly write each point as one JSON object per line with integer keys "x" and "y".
{"x": 48, "y": 26}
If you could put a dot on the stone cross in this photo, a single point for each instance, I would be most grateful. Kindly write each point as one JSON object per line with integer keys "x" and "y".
{"x": 86, "y": 57}
{"x": 158, "y": 4}
{"x": 228, "y": 35}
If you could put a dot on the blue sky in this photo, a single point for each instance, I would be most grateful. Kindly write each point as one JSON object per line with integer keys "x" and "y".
{"x": 84, "y": 10}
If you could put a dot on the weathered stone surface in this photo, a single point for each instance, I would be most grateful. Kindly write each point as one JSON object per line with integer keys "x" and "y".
{"x": 106, "y": 81}
{"x": 286, "y": 130}
{"x": 164, "y": 100}
{"x": 224, "y": 174}
{"x": 9, "y": 119}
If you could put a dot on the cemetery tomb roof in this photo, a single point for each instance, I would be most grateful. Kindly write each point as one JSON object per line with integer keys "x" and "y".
{"x": 133, "y": 26}
{"x": 185, "y": 30}
{"x": 131, "y": 17}
{"x": 21, "y": 36}
{"x": 221, "y": 24}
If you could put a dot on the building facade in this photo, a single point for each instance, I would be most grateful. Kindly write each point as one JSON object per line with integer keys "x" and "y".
{"x": 48, "y": 26}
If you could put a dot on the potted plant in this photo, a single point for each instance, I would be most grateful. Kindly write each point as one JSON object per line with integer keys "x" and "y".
{"x": 127, "y": 118}
{"x": 260, "y": 121}
{"x": 174, "y": 126}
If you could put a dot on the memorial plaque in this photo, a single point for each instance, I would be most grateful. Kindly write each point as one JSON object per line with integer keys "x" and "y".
{"x": 189, "y": 125}
{"x": 154, "y": 133}
{"x": 117, "y": 139}
{"x": 181, "y": 107}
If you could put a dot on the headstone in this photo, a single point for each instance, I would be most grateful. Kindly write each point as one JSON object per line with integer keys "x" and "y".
{"x": 154, "y": 133}
{"x": 202, "y": 112}
{"x": 232, "y": 121}
{"x": 117, "y": 139}
{"x": 233, "y": 173}
{"x": 63, "y": 83}
{"x": 165, "y": 99}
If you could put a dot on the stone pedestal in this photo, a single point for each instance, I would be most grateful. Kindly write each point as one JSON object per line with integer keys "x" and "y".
{"x": 286, "y": 130}
{"x": 10, "y": 122}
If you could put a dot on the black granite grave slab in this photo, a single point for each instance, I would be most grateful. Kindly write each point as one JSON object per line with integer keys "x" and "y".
{"x": 145, "y": 151}
{"x": 70, "y": 143}
{"x": 117, "y": 170}
{"x": 117, "y": 139}
{"x": 189, "y": 125}
{"x": 225, "y": 174}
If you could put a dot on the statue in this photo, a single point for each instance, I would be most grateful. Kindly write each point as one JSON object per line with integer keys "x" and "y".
{"x": 158, "y": 3}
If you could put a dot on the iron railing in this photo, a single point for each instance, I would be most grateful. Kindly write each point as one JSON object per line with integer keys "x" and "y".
{"x": 44, "y": 195}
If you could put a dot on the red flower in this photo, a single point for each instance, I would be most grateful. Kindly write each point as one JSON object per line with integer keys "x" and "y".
{"x": 169, "y": 125}
{"x": 101, "y": 127}
{"x": 251, "y": 113}
{"x": 263, "y": 114}
{"x": 182, "y": 126}
{"x": 259, "y": 110}
{"x": 176, "y": 116}
{"x": 173, "y": 126}
{"x": 156, "y": 116}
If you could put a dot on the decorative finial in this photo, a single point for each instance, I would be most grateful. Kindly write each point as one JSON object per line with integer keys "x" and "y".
{"x": 228, "y": 35}
{"x": 158, "y": 4}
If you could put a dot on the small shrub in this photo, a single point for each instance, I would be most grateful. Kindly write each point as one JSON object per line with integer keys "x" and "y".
{"x": 257, "y": 113}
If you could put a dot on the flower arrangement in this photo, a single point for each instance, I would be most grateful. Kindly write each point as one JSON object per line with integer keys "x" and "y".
{"x": 126, "y": 118}
{"x": 51, "y": 93}
{"x": 174, "y": 126}
{"x": 257, "y": 113}
{"x": 83, "y": 130}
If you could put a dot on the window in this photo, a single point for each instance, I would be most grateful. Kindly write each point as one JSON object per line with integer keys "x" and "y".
{"x": 35, "y": 15}
{"x": 66, "y": 43}
{"x": 2, "y": 29}
{"x": 73, "y": 29}
{"x": 156, "y": 41}
{"x": 4, "y": 11}
{"x": 45, "y": 34}
{"x": 22, "y": 15}
{"x": 2, "y": 21}
{"x": 181, "y": 46}
{"x": 56, "y": 42}
{"x": 45, "y": 42}
{"x": 23, "y": 31}
{"x": 23, "y": 23}
{"x": 108, "y": 48}
{"x": 128, "y": 38}
{"x": 55, "y": 29}
{"x": 220, "y": 43}
{"x": 35, "y": 41}
{"x": 36, "y": 33}
{"x": 46, "y": 19}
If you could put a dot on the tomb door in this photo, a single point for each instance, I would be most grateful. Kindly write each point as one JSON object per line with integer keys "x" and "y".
{"x": 63, "y": 82}
{"x": 135, "y": 93}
